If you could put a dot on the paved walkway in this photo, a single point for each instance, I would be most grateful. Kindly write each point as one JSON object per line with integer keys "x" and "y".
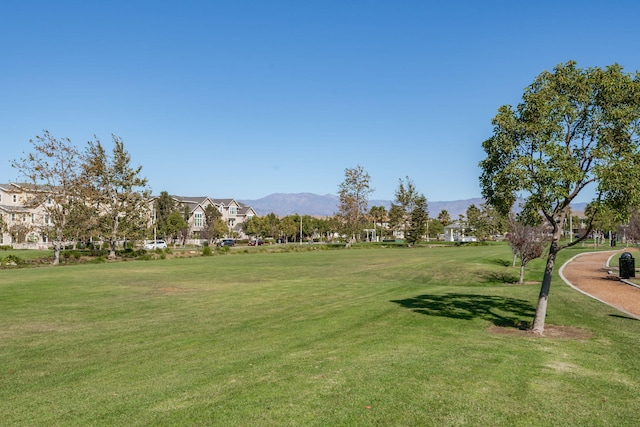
{"x": 588, "y": 273}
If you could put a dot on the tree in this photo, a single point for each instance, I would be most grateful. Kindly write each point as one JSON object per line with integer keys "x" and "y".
{"x": 418, "y": 220}
{"x": 485, "y": 221}
{"x": 574, "y": 128}
{"x": 174, "y": 225}
{"x": 271, "y": 222}
{"x": 632, "y": 232}
{"x": 396, "y": 218}
{"x": 527, "y": 242}
{"x": 406, "y": 198}
{"x": 354, "y": 201}
{"x": 163, "y": 206}
{"x": 53, "y": 169}
{"x": 378, "y": 215}
{"x": 444, "y": 218}
{"x": 287, "y": 228}
{"x": 435, "y": 228}
{"x": 118, "y": 192}
{"x": 474, "y": 221}
{"x": 253, "y": 226}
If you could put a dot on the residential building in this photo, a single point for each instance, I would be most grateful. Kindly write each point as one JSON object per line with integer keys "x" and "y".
{"x": 232, "y": 212}
{"x": 23, "y": 226}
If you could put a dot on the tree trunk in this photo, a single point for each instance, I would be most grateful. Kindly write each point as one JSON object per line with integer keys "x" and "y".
{"x": 56, "y": 253}
{"x": 541, "y": 308}
{"x": 112, "y": 249}
{"x": 521, "y": 281}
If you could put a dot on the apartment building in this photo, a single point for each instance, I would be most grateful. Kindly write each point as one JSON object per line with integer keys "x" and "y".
{"x": 24, "y": 226}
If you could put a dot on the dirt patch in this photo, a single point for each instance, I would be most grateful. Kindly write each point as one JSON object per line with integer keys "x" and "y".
{"x": 550, "y": 331}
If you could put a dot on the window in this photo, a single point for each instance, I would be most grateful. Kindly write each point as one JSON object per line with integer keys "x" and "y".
{"x": 197, "y": 219}
{"x": 15, "y": 198}
{"x": 13, "y": 217}
{"x": 232, "y": 210}
{"x": 24, "y": 217}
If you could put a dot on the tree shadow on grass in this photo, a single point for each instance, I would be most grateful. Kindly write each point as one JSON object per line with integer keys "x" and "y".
{"x": 501, "y": 311}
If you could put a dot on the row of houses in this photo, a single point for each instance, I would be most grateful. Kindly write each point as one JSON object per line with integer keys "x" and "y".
{"x": 233, "y": 213}
{"x": 26, "y": 225}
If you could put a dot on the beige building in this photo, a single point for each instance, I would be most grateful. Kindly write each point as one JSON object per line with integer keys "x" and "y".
{"x": 233, "y": 213}
{"x": 25, "y": 227}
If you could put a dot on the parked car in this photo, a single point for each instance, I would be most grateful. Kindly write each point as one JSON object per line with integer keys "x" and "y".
{"x": 256, "y": 243}
{"x": 226, "y": 242}
{"x": 155, "y": 244}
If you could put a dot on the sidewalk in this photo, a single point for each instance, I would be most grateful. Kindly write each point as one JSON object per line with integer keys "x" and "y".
{"x": 588, "y": 273}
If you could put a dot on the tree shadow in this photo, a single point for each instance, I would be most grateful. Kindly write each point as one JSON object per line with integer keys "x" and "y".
{"x": 499, "y": 276}
{"x": 501, "y": 262}
{"x": 501, "y": 311}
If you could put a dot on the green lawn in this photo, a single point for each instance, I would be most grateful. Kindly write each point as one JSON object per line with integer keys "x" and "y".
{"x": 338, "y": 337}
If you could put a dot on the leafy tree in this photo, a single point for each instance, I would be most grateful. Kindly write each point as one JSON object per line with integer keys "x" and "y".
{"x": 309, "y": 226}
{"x": 444, "y": 218}
{"x": 485, "y": 221}
{"x": 574, "y": 127}
{"x": 174, "y": 225}
{"x": 185, "y": 231}
{"x": 418, "y": 220}
{"x": 378, "y": 215}
{"x": 474, "y": 220}
{"x": 164, "y": 205}
{"x": 118, "y": 191}
{"x": 270, "y": 223}
{"x": 288, "y": 228}
{"x": 212, "y": 219}
{"x": 251, "y": 227}
{"x": 53, "y": 169}
{"x": 396, "y": 218}
{"x": 435, "y": 227}
{"x": 407, "y": 198}
{"x": 354, "y": 201}
{"x": 604, "y": 220}
{"x": 84, "y": 223}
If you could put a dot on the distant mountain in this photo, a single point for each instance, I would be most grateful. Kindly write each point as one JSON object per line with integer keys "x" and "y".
{"x": 283, "y": 204}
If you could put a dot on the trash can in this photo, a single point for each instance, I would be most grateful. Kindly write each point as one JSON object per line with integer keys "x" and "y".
{"x": 627, "y": 266}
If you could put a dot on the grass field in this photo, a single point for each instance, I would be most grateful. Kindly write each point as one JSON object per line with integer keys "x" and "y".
{"x": 386, "y": 337}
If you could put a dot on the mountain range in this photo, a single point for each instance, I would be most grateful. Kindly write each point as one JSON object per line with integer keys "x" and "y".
{"x": 283, "y": 204}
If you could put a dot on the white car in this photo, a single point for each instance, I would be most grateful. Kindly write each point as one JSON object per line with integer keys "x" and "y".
{"x": 155, "y": 244}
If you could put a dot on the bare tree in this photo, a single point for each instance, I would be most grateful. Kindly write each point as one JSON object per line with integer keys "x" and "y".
{"x": 527, "y": 242}
{"x": 53, "y": 171}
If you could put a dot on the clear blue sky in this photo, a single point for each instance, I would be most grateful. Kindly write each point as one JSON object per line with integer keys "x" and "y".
{"x": 241, "y": 99}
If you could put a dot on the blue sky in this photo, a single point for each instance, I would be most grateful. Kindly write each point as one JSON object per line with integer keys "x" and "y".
{"x": 241, "y": 99}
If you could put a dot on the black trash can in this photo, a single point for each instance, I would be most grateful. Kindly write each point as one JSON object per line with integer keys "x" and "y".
{"x": 627, "y": 266}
